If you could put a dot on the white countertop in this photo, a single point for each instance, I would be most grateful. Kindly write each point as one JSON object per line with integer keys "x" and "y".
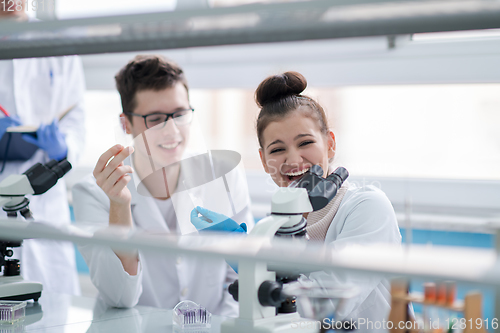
{"x": 74, "y": 314}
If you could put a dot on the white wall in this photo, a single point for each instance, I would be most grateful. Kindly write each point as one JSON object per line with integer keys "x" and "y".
{"x": 356, "y": 61}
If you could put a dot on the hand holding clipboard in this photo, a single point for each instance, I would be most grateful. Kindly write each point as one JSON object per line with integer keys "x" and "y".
{"x": 33, "y": 129}
{"x": 21, "y": 142}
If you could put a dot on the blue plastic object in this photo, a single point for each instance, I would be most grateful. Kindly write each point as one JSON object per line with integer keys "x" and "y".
{"x": 212, "y": 221}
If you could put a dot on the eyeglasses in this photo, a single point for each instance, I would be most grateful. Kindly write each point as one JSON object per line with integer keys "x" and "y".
{"x": 181, "y": 117}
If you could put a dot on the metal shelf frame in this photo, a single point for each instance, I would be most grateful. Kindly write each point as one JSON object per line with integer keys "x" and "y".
{"x": 479, "y": 266}
{"x": 255, "y": 23}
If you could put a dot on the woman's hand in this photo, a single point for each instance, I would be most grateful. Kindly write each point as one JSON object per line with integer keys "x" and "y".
{"x": 112, "y": 176}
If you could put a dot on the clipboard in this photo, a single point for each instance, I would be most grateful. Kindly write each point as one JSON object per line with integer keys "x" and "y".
{"x": 33, "y": 129}
{"x": 18, "y": 149}
{"x": 15, "y": 147}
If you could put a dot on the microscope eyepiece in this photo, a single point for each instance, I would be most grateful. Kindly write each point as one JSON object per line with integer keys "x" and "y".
{"x": 51, "y": 164}
{"x": 340, "y": 173}
{"x": 61, "y": 168}
{"x": 321, "y": 190}
{"x": 316, "y": 170}
{"x": 43, "y": 176}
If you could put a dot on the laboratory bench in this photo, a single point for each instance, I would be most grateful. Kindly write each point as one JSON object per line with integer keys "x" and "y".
{"x": 74, "y": 314}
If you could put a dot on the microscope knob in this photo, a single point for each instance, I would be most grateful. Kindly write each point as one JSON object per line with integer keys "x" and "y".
{"x": 12, "y": 268}
{"x": 9, "y": 253}
{"x": 270, "y": 294}
{"x": 233, "y": 290}
{"x": 289, "y": 305}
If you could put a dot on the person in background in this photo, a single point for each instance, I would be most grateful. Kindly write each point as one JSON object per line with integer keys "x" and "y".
{"x": 156, "y": 107}
{"x": 37, "y": 92}
{"x": 294, "y": 135}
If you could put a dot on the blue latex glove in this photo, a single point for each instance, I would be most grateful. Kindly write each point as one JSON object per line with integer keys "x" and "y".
{"x": 50, "y": 139}
{"x": 214, "y": 221}
{"x": 7, "y": 122}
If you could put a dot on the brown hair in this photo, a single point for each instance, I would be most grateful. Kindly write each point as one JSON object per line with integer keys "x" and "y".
{"x": 279, "y": 95}
{"x": 146, "y": 72}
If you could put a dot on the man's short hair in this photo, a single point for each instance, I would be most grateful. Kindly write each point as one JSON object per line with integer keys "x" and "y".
{"x": 146, "y": 72}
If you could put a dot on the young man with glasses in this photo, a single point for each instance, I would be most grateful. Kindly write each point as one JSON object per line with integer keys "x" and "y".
{"x": 157, "y": 113}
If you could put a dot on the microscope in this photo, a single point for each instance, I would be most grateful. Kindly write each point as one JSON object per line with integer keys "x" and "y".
{"x": 13, "y": 190}
{"x": 264, "y": 306}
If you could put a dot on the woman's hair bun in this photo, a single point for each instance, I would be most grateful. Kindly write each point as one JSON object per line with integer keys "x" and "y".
{"x": 276, "y": 87}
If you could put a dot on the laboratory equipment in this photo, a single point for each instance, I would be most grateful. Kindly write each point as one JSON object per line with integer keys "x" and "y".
{"x": 264, "y": 306}
{"x": 323, "y": 301}
{"x": 188, "y": 316}
{"x": 13, "y": 190}
{"x": 430, "y": 292}
{"x": 12, "y": 311}
{"x": 438, "y": 316}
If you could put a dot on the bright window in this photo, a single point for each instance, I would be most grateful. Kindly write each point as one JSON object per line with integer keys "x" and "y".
{"x": 422, "y": 131}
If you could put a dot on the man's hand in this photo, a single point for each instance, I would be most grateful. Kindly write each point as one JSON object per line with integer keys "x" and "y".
{"x": 112, "y": 176}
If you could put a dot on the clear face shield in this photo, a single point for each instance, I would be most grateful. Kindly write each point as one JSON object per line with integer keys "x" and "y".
{"x": 175, "y": 163}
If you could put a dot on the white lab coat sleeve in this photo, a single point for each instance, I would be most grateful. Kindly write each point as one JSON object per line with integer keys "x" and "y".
{"x": 115, "y": 285}
{"x": 370, "y": 220}
{"x": 73, "y": 124}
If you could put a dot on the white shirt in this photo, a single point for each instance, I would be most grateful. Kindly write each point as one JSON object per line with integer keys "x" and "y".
{"x": 162, "y": 280}
{"x": 167, "y": 211}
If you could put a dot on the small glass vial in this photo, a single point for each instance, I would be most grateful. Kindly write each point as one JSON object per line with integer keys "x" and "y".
{"x": 430, "y": 292}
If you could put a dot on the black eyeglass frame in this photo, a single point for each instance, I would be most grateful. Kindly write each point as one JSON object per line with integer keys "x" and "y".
{"x": 169, "y": 115}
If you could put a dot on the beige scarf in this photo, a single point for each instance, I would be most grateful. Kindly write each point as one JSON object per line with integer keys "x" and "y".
{"x": 318, "y": 222}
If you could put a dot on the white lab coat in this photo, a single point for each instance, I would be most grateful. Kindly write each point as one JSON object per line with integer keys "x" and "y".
{"x": 37, "y": 90}
{"x": 365, "y": 216}
{"x": 162, "y": 280}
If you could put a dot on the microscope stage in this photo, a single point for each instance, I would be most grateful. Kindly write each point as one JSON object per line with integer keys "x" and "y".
{"x": 15, "y": 288}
